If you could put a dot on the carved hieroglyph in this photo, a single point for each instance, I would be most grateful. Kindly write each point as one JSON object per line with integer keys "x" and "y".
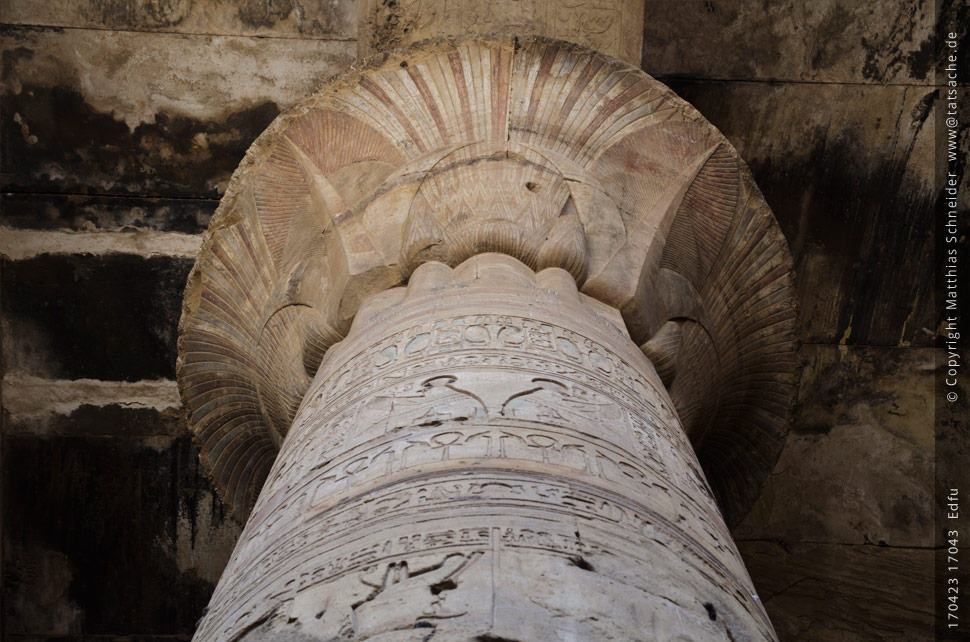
{"x": 551, "y": 153}
{"x": 486, "y": 456}
{"x": 405, "y": 473}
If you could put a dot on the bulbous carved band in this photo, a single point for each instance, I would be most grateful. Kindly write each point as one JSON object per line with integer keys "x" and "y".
{"x": 542, "y": 150}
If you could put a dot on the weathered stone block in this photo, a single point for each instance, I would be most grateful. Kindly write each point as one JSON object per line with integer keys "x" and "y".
{"x": 838, "y": 593}
{"x": 109, "y": 112}
{"x": 104, "y": 213}
{"x": 111, "y": 316}
{"x": 299, "y": 19}
{"x": 106, "y": 535}
{"x": 826, "y": 41}
{"x": 609, "y": 26}
{"x": 111, "y": 420}
{"x": 858, "y": 465}
{"x": 850, "y": 187}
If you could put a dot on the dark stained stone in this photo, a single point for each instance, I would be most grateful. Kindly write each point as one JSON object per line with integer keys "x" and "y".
{"x": 96, "y": 111}
{"x": 858, "y": 464}
{"x": 821, "y": 41}
{"x": 822, "y": 593}
{"x": 852, "y": 188}
{"x": 112, "y": 316}
{"x": 112, "y": 420}
{"x": 87, "y": 213}
{"x": 105, "y": 536}
{"x": 292, "y": 18}
{"x": 89, "y": 152}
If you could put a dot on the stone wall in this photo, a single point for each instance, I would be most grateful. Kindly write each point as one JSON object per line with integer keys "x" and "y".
{"x": 831, "y": 104}
{"x": 121, "y": 124}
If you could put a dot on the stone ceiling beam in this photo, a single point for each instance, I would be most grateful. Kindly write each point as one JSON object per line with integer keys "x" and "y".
{"x": 613, "y": 27}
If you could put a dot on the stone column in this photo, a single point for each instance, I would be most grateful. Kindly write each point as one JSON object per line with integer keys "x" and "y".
{"x": 465, "y": 331}
{"x": 486, "y": 456}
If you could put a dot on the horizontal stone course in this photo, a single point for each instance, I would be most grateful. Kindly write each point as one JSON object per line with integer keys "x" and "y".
{"x": 823, "y": 41}
{"x": 109, "y": 317}
{"x": 95, "y": 213}
{"x": 107, "y": 112}
{"x": 112, "y": 420}
{"x": 300, "y": 19}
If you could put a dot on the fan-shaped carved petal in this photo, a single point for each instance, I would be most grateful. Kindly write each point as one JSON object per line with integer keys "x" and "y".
{"x": 540, "y": 149}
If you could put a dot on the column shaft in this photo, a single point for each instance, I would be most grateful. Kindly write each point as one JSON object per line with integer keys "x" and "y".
{"x": 486, "y": 456}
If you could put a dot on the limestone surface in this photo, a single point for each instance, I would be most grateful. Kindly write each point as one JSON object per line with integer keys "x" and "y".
{"x": 539, "y": 149}
{"x": 610, "y": 26}
{"x": 486, "y": 456}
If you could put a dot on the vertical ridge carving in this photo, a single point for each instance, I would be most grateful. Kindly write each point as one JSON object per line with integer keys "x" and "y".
{"x": 558, "y": 156}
